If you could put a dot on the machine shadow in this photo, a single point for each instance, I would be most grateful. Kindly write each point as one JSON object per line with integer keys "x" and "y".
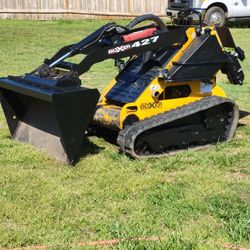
{"x": 243, "y": 114}
{"x": 88, "y": 148}
{"x": 107, "y": 134}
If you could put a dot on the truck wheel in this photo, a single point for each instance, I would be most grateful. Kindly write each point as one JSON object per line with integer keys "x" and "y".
{"x": 215, "y": 16}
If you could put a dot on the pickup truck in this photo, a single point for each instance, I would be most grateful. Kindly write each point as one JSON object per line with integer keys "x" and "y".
{"x": 216, "y": 12}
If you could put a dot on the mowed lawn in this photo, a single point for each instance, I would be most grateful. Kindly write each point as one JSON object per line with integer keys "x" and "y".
{"x": 194, "y": 200}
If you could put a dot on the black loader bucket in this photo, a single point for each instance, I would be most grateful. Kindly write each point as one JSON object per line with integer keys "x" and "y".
{"x": 50, "y": 117}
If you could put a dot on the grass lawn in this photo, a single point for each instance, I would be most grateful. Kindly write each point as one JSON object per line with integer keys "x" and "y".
{"x": 194, "y": 200}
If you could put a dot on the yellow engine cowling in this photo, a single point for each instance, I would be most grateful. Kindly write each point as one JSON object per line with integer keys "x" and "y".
{"x": 155, "y": 98}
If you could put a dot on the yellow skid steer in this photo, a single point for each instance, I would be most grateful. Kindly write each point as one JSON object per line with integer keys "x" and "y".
{"x": 164, "y": 99}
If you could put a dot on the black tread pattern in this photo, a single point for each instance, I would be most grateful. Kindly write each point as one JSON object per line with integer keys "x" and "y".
{"x": 127, "y": 137}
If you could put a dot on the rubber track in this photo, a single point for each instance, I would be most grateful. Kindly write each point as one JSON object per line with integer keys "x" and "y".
{"x": 128, "y": 136}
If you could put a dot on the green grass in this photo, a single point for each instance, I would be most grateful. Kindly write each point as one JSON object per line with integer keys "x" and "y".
{"x": 194, "y": 200}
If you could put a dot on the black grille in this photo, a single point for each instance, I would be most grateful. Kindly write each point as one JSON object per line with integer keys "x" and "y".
{"x": 179, "y": 4}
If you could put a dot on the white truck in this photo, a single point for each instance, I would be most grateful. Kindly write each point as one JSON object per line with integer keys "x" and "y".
{"x": 217, "y": 12}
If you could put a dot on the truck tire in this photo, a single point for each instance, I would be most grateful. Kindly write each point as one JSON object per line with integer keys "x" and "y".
{"x": 215, "y": 16}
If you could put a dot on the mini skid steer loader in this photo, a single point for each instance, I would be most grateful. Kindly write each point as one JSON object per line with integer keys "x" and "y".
{"x": 164, "y": 99}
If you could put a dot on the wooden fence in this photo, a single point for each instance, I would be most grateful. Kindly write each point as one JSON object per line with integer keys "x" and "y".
{"x": 65, "y": 9}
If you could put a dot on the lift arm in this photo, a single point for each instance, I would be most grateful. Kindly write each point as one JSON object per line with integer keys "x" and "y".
{"x": 114, "y": 41}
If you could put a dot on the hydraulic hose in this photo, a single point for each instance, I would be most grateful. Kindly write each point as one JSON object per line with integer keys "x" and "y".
{"x": 147, "y": 17}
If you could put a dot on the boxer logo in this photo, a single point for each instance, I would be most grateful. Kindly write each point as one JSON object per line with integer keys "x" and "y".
{"x": 151, "y": 105}
{"x": 119, "y": 49}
